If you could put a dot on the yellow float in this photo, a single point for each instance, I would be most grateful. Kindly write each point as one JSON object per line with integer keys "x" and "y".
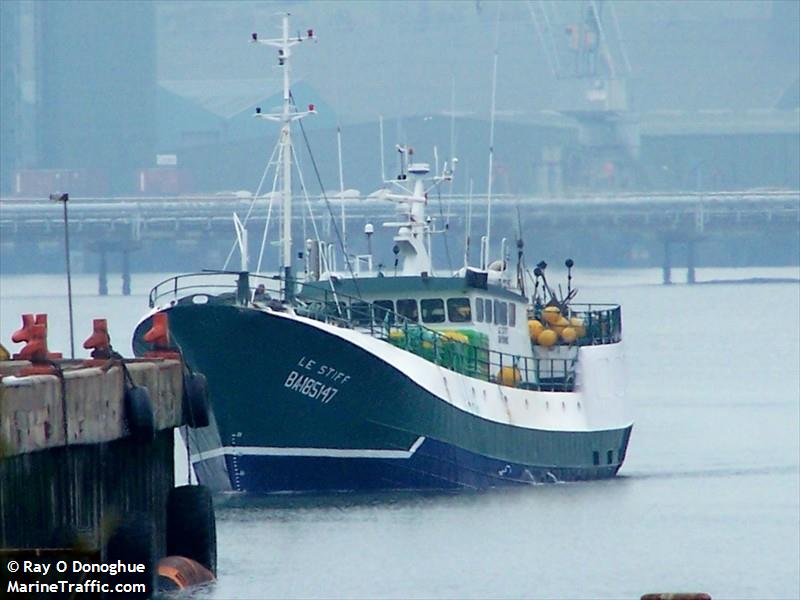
{"x": 455, "y": 336}
{"x": 547, "y": 338}
{"x": 509, "y": 376}
{"x": 551, "y": 314}
{"x": 577, "y": 324}
{"x": 534, "y": 329}
{"x": 569, "y": 335}
{"x": 560, "y": 325}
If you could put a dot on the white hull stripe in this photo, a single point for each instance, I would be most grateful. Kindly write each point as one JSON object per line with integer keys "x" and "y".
{"x": 307, "y": 452}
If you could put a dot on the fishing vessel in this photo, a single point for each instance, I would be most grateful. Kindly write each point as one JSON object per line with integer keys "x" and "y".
{"x": 396, "y": 378}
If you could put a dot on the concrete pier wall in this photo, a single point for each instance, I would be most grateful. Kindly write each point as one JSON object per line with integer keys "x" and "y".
{"x": 69, "y": 471}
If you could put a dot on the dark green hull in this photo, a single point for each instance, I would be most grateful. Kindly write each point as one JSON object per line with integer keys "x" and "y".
{"x": 299, "y": 408}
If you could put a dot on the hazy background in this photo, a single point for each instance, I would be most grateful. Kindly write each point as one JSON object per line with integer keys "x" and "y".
{"x": 98, "y": 89}
{"x": 92, "y": 92}
{"x": 156, "y": 99}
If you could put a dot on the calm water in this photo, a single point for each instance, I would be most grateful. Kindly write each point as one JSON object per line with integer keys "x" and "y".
{"x": 707, "y": 500}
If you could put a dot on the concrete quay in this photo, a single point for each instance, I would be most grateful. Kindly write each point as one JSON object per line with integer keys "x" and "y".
{"x": 38, "y": 413}
{"x": 87, "y": 466}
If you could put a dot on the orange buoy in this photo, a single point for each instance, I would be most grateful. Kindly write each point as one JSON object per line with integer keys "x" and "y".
{"x": 569, "y": 335}
{"x": 559, "y": 325}
{"x": 577, "y": 324}
{"x": 535, "y": 327}
{"x": 179, "y": 573}
{"x": 547, "y": 338}
{"x": 551, "y": 314}
{"x": 510, "y": 376}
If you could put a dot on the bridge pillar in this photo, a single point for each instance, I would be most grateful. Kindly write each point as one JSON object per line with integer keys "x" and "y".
{"x": 102, "y": 277}
{"x": 666, "y": 269}
{"x": 126, "y": 272}
{"x": 690, "y": 276}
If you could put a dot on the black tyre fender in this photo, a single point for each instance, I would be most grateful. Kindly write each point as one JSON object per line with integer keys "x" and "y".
{"x": 191, "y": 525}
{"x": 196, "y": 406}
{"x": 139, "y": 412}
{"x": 133, "y": 540}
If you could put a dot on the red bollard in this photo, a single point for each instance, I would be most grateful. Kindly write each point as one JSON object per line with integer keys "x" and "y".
{"x": 35, "y": 349}
{"x": 34, "y": 334}
{"x": 23, "y": 334}
{"x": 99, "y": 342}
{"x": 158, "y": 336}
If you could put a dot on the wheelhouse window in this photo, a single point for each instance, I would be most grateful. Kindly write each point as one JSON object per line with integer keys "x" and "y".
{"x": 432, "y": 310}
{"x": 383, "y": 311}
{"x": 500, "y": 313}
{"x": 487, "y": 310}
{"x": 458, "y": 310}
{"x": 408, "y": 308}
{"x": 512, "y": 314}
{"x": 479, "y": 310}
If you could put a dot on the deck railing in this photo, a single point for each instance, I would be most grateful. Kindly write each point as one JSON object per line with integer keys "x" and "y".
{"x": 602, "y": 323}
{"x": 455, "y": 350}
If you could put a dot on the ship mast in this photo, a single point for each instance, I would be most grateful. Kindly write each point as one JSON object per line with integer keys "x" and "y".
{"x": 487, "y": 242}
{"x": 285, "y": 117}
{"x": 409, "y": 191}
